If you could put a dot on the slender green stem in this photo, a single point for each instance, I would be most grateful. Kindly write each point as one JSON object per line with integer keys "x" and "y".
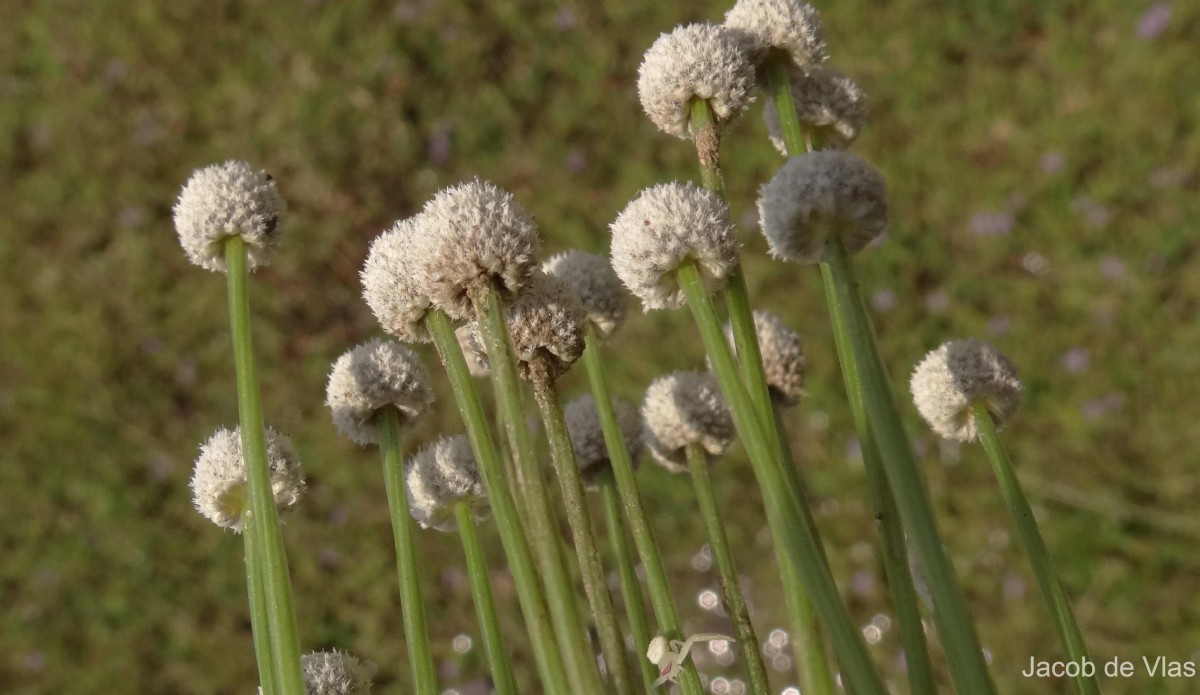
{"x": 416, "y": 634}
{"x": 485, "y": 603}
{"x": 786, "y": 522}
{"x": 661, "y": 598}
{"x": 580, "y": 663}
{"x": 258, "y": 610}
{"x": 277, "y": 585}
{"x": 1035, "y": 547}
{"x": 731, "y": 590}
{"x": 595, "y": 585}
{"x": 631, "y": 588}
{"x": 512, "y": 535}
{"x": 780, "y": 88}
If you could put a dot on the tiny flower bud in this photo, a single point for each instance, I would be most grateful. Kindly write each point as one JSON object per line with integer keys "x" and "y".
{"x": 817, "y": 195}
{"x": 224, "y": 200}
{"x": 694, "y": 61}
{"x": 220, "y": 489}
{"x": 660, "y": 229}
{"x": 790, "y": 26}
{"x": 829, "y": 104}
{"x": 391, "y": 286}
{"x": 375, "y": 375}
{"x": 782, "y": 357}
{"x": 681, "y": 409}
{"x": 440, "y": 476}
{"x": 958, "y": 374}
{"x": 587, "y": 435}
{"x": 594, "y": 281}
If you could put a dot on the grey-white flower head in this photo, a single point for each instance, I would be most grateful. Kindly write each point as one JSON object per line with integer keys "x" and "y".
{"x": 705, "y": 61}
{"x": 391, "y": 286}
{"x": 220, "y": 489}
{"x": 681, "y": 409}
{"x": 592, "y": 278}
{"x": 375, "y": 375}
{"x": 817, "y": 195}
{"x": 782, "y": 356}
{"x": 829, "y": 104}
{"x": 474, "y": 236}
{"x": 587, "y": 436}
{"x": 336, "y": 673}
{"x": 958, "y": 374}
{"x": 661, "y": 228}
{"x": 471, "y": 344}
{"x": 224, "y": 200}
{"x": 439, "y": 477}
{"x": 790, "y": 26}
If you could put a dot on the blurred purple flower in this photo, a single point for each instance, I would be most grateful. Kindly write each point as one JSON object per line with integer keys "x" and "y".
{"x": 577, "y": 160}
{"x": 1112, "y": 267}
{"x": 853, "y": 450}
{"x": 883, "y": 301}
{"x": 1014, "y": 587}
{"x": 749, "y": 219}
{"x": 565, "y": 19}
{"x": 1154, "y": 21}
{"x": 1096, "y": 408}
{"x": 1053, "y": 162}
{"x": 438, "y": 147}
{"x": 1168, "y": 177}
{"x": 998, "y": 325}
{"x": 937, "y": 302}
{"x": 991, "y": 223}
{"x": 1075, "y": 360}
{"x": 862, "y": 584}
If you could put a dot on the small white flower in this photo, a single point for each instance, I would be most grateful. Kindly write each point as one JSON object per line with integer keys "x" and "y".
{"x": 685, "y": 408}
{"x": 224, "y": 200}
{"x": 957, "y": 374}
{"x": 220, "y": 489}
{"x": 375, "y": 375}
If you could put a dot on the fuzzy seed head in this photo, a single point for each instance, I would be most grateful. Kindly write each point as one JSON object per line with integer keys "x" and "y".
{"x": 661, "y": 228}
{"x": 705, "y": 61}
{"x": 220, "y": 489}
{"x": 391, "y": 286}
{"x": 681, "y": 409}
{"x": 474, "y": 236}
{"x": 440, "y": 476}
{"x": 830, "y": 106}
{"x": 592, "y": 278}
{"x": 224, "y": 200}
{"x": 958, "y": 374}
{"x": 791, "y": 26}
{"x": 587, "y": 436}
{"x": 375, "y": 375}
{"x": 336, "y": 673}
{"x": 782, "y": 357}
{"x": 819, "y": 194}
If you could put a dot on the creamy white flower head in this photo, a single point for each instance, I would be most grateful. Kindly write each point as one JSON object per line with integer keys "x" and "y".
{"x": 471, "y": 344}
{"x": 375, "y": 375}
{"x": 474, "y": 236}
{"x": 704, "y": 61}
{"x": 819, "y": 194}
{"x": 782, "y": 357}
{"x": 661, "y": 228}
{"x": 335, "y": 673}
{"x": 220, "y": 489}
{"x": 790, "y": 26}
{"x": 829, "y": 104}
{"x": 955, "y": 376}
{"x": 592, "y": 278}
{"x": 681, "y": 409}
{"x": 224, "y": 200}
{"x": 391, "y": 286}
{"x": 587, "y": 436}
{"x": 439, "y": 477}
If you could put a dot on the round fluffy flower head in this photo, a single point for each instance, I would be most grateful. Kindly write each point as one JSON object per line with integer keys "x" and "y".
{"x": 220, "y": 489}
{"x": 830, "y": 106}
{"x": 336, "y": 673}
{"x": 374, "y": 375}
{"x": 681, "y": 409}
{"x": 440, "y": 476}
{"x": 224, "y": 200}
{"x": 819, "y": 194}
{"x": 661, "y": 228}
{"x": 790, "y": 26}
{"x": 587, "y": 436}
{"x": 782, "y": 356}
{"x": 391, "y": 286}
{"x": 474, "y": 236}
{"x": 694, "y": 61}
{"x": 592, "y": 278}
{"x": 958, "y": 374}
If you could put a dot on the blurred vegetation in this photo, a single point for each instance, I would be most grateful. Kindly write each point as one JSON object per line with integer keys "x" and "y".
{"x": 1042, "y": 160}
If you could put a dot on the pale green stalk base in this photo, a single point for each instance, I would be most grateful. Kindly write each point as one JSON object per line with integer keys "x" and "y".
{"x": 1035, "y": 547}
{"x": 485, "y": 604}
{"x": 731, "y": 590}
{"x": 258, "y": 612}
{"x": 277, "y": 584}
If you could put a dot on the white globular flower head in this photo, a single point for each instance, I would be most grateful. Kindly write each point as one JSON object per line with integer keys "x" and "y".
{"x": 685, "y": 408}
{"x": 225, "y": 200}
{"x": 828, "y": 103}
{"x": 660, "y": 229}
{"x": 955, "y": 376}
{"x": 220, "y": 489}
{"x": 782, "y": 352}
{"x": 336, "y": 673}
{"x": 587, "y": 435}
{"x": 818, "y": 195}
{"x": 695, "y": 61}
{"x": 790, "y": 26}
{"x": 375, "y": 375}
{"x": 391, "y": 286}
{"x": 474, "y": 236}
{"x": 441, "y": 476}
{"x": 594, "y": 281}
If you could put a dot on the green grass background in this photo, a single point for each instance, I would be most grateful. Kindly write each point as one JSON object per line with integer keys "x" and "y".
{"x": 1055, "y": 119}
